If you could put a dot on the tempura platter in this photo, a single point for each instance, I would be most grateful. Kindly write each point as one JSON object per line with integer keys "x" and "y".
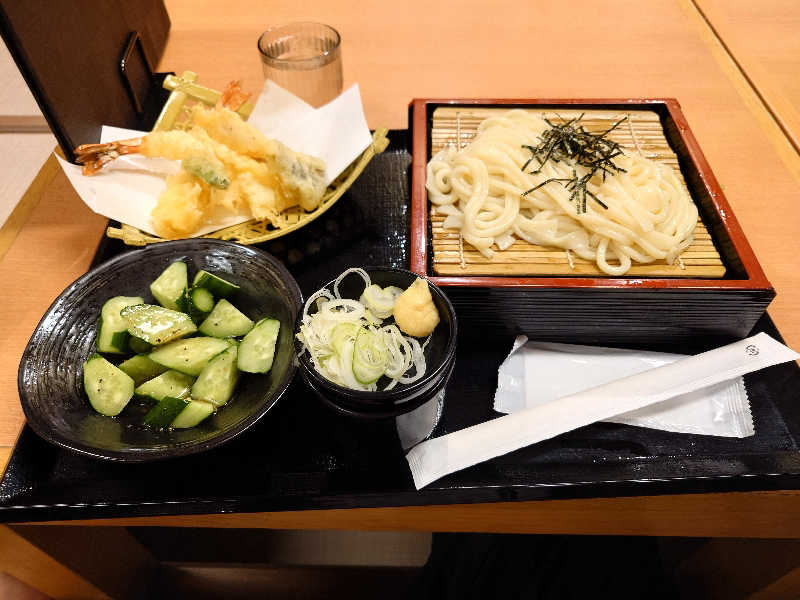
{"x": 185, "y": 92}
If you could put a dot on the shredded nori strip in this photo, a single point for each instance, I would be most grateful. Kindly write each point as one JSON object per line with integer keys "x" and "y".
{"x": 570, "y": 141}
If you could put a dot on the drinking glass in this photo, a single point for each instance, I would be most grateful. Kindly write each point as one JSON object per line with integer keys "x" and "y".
{"x": 304, "y": 58}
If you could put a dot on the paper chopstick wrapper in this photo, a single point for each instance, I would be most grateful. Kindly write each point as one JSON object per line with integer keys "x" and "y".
{"x": 435, "y": 458}
{"x": 127, "y": 190}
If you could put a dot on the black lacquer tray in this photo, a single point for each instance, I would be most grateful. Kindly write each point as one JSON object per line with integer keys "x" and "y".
{"x": 304, "y": 456}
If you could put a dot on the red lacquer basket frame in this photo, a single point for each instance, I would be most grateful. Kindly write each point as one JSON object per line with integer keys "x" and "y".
{"x": 746, "y": 273}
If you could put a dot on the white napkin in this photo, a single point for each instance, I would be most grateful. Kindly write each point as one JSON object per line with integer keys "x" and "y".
{"x": 435, "y": 458}
{"x": 539, "y": 372}
{"x": 127, "y": 189}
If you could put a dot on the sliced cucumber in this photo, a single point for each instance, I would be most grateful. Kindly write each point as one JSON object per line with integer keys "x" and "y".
{"x": 109, "y": 389}
{"x": 113, "y": 335}
{"x": 226, "y": 321}
{"x": 201, "y": 302}
{"x": 140, "y": 368}
{"x": 171, "y": 288}
{"x": 164, "y": 413}
{"x": 138, "y": 345}
{"x": 258, "y": 347}
{"x": 216, "y": 285}
{"x": 370, "y": 356}
{"x": 189, "y": 356}
{"x": 157, "y": 325}
{"x": 171, "y": 384}
{"x": 193, "y": 414}
{"x": 217, "y": 381}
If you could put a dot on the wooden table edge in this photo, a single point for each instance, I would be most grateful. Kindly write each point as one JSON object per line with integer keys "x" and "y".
{"x": 5, "y": 455}
{"x": 26, "y": 205}
{"x": 29, "y": 564}
{"x": 736, "y": 514}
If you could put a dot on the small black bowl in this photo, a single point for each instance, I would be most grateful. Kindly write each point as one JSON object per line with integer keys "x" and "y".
{"x": 439, "y": 356}
{"x": 377, "y": 411}
{"x": 50, "y": 372}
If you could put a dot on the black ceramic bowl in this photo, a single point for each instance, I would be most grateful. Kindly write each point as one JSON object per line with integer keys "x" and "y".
{"x": 439, "y": 356}
{"x": 50, "y": 373}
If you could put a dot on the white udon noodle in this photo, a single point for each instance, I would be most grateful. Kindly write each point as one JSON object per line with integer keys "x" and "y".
{"x": 650, "y": 216}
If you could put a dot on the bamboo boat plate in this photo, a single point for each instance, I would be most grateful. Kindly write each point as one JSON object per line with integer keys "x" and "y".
{"x": 185, "y": 92}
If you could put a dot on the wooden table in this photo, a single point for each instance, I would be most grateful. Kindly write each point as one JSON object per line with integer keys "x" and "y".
{"x": 413, "y": 49}
{"x": 762, "y": 37}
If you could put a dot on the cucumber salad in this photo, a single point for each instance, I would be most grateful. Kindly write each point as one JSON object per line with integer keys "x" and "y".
{"x": 349, "y": 343}
{"x": 188, "y": 350}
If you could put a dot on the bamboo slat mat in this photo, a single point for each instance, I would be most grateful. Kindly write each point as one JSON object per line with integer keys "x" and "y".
{"x": 643, "y": 132}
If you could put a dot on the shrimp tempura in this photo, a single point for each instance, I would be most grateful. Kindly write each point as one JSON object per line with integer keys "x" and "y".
{"x": 182, "y": 207}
